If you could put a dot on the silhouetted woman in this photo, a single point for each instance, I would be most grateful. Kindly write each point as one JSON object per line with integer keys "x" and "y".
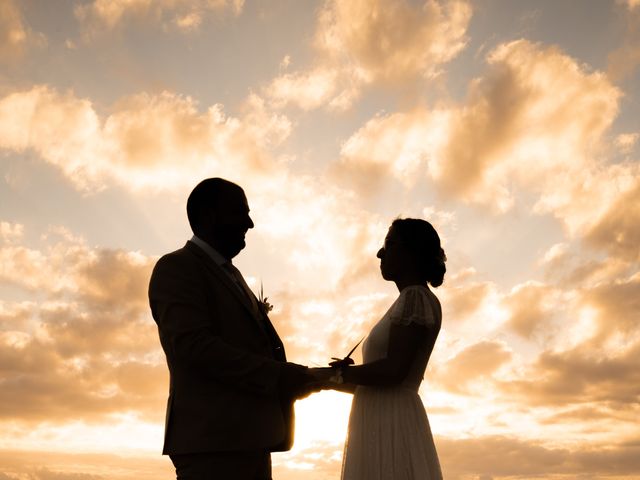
{"x": 389, "y": 437}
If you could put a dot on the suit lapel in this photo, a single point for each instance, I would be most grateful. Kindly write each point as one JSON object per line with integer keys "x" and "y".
{"x": 227, "y": 282}
{"x": 276, "y": 343}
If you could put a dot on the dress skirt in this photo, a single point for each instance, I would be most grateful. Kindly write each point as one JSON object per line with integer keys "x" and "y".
{"x": 389, "y": 437}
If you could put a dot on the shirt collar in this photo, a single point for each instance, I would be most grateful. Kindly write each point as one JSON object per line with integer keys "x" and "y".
{"x": 209, "y": 250}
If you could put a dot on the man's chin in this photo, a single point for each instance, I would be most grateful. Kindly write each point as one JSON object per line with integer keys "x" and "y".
{"x": 237, "y": 248}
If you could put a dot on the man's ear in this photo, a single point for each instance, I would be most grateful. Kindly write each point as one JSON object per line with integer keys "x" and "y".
{"x": 211, "y": 220}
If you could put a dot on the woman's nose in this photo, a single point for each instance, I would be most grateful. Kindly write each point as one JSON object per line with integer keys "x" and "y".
{"x": 380, "y": 253}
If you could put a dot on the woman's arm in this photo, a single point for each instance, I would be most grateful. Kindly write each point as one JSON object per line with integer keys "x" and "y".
{"x": 404, "y": 341}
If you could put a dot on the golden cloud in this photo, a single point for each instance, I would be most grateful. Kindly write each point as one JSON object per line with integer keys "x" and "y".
{"x": 363, "y": 42}
{"x": 626, "y": 142}
{"x": 472, "y": 365}
{"x": 14, "y": 316}
{"x": 578, "y": 376}
{"x": 463, "y": 301}
{"x": 10, "y": 232}
{"x": 618, "y": 230}
{"x": 624, "y": 60}
{"x": 185, "y": 15}
{"x": 15, "y": 35}
{"x": 149, "y": 141}
{"x": 78, "y": 352}
{"x": 618, "y": 306}
{"x": 326, "y": 244}
{"x": 535, "y": 117}
{"x": 395, "y": 146}
{"x": 393, "y": 40}
{"x": 46, "y": 465}
{"x": 535, "y": 122}
{"x": 531, "y": 307}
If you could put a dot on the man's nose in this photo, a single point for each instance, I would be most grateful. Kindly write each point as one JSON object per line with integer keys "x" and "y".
{"x": 249, "y": 222}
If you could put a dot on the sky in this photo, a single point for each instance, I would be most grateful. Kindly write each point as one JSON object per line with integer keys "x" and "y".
{"x": 512, "y": 126}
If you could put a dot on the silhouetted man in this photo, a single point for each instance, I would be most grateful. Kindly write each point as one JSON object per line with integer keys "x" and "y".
{"x": 232, "y": 392}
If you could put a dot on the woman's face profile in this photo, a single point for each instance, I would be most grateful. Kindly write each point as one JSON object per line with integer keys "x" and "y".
{"x": 395, "y": 259}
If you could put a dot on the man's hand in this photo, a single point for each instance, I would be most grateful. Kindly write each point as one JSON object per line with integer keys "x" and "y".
{"x": 296, "y": 381}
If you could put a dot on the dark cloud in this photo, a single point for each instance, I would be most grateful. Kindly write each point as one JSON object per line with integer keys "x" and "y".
{"x": 581, "y": 375}
{"x": 43, "y": 465}
{"x": 590, "y": 416}
{"x": 501, "y": 457}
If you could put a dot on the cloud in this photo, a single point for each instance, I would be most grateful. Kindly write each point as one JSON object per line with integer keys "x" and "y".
{"x": 309, "y": 90}
{"x": 394, "y": 146}
{"x": 472, "y": 365}
{"x": 12, "y": 30}
{"x": 183, "y": 15}
{"x": 323, "y": 245}
{"x": 362, "y": 42}
{"x": 531, "y": 307}
{"x": 624, "y": 60}
{"x": 627, "y": 141}
{"x": 533, "y": 117}
{"x": 617, "y": 303}
{"x": 502, "y": 457}
{"x": 580, "y": 376}
{"x": 595, "y": 366}
{"x": 14, "y": 316}
{"x": 10, "y": 232}
{"x": 462, "y": 301}
{"x": 47, "y": 465}
{"x": 618, "y": 230}
{"x": 148, "y": 141}
{"x": 15, "y": 35}
{"x": 630, "y": 4}
{"x": 485, "y": 457}
{"x": 88, "y": 348}
{"x": 535, "y": 122}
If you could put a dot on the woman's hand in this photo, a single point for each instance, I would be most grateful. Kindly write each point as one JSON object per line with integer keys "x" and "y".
{"x": 322, "y": 375}
{"x": 331, "y": 379}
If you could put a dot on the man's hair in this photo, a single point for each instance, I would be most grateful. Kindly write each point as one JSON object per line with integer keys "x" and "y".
{"x": 205, "y": 197}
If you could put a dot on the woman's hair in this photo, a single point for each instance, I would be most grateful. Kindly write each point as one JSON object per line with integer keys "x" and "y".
{"x": 423, "y": 240}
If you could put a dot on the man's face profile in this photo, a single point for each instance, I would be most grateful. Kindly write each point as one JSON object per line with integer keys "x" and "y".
{"x": 230, "y": 222}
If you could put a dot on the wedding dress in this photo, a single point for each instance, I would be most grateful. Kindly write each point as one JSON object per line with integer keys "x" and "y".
{"x": 389, "y": 437}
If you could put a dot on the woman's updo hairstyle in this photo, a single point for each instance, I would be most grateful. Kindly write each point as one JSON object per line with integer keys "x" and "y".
{"x": 422, "y": 240}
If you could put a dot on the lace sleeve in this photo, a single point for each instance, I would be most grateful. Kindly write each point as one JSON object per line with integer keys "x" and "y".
{"x": 414, "y": 306}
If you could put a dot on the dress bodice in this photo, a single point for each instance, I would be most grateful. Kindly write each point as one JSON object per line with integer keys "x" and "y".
{"x": 416, "y": 304}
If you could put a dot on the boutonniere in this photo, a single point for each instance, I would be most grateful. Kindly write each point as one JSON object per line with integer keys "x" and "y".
{"x": 265, "y": 306}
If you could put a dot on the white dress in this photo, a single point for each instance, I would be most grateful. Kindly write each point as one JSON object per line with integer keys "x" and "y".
{"x": 389, "y": 437}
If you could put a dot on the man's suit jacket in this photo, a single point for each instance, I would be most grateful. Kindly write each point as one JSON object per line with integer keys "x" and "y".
{"x": 224, "y": 360}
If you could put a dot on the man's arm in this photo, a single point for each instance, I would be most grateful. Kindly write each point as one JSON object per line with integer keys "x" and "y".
{"x": 179, "y": 305}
